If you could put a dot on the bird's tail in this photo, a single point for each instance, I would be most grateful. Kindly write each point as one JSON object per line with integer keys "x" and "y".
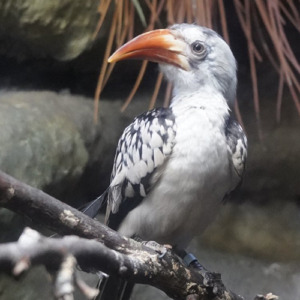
{"x": 111, "y": 287}
{"x": 92, "y": 208}
{"x": 114, "y": 288}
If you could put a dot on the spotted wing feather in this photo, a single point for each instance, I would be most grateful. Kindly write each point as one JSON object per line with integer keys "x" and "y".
{"x": 237, "y": 149}
{"x": 143, "y": 147}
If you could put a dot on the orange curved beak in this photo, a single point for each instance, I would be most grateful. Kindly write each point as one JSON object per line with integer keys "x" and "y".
{"x": 160, "y": 46}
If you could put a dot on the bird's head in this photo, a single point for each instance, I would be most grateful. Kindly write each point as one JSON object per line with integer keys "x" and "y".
{"x": 191, "y": 57}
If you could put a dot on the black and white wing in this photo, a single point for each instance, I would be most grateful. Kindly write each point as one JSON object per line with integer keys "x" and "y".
{"x": 237, "y": 149}
{"x": 144, "y": 146}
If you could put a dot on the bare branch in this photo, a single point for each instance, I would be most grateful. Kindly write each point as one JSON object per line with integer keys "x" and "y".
{"x": 167, "y": 273}
{"x": 64, "y": 281}
{"x": 110, "y": 253}
{"x": 89, "y": 292}
{"x": 54, "y": 214}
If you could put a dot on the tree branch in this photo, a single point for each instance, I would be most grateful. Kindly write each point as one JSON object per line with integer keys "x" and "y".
{"x": 114, "y": 254}
{"x": 56, "y": 215}
{"x": 140, "y": 266}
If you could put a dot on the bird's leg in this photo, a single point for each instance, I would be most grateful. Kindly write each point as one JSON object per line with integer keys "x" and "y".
{"x": 189, "y": 259}
{"x": 210, "y": 279}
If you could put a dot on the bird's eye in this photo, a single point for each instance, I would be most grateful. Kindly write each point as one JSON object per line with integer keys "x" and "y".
{"x": 198, "y": 48}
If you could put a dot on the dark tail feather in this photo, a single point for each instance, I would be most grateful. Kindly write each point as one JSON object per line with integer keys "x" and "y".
{"x": 114, "y": 288}
{"x": 128, "y": 291}
{"x": 92, "y": 208}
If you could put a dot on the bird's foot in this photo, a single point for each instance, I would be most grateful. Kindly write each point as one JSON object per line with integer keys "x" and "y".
{"x": 160, "y": 249}
{"x": 210, "y": 279}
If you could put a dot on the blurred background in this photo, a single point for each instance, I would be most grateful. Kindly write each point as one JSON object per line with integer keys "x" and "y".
{"x": 56, "y": 135}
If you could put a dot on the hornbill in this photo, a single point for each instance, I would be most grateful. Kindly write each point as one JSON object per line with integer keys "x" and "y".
{"x": 174, "y": 166}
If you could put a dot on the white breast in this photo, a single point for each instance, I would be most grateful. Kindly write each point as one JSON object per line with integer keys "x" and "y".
{"x": 193, "y": 182}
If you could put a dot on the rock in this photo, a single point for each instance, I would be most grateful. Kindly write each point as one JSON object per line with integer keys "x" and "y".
{"x": 60, "y": 29}
{"x": 50, "y": 141}
{"x": 40, "y": 143}
{"x": 21, "y": 288}
{"x": 269, "y": 232}
{"x": 273, "y": 168}
{"x": 36, "y": 282}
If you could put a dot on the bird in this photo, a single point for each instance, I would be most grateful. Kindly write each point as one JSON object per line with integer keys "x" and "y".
{"x": 174, "y": 166}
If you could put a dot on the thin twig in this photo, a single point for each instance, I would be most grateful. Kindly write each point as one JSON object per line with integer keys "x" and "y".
{"x": 156, "y": 90}
{"x": 104, "y": 65}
